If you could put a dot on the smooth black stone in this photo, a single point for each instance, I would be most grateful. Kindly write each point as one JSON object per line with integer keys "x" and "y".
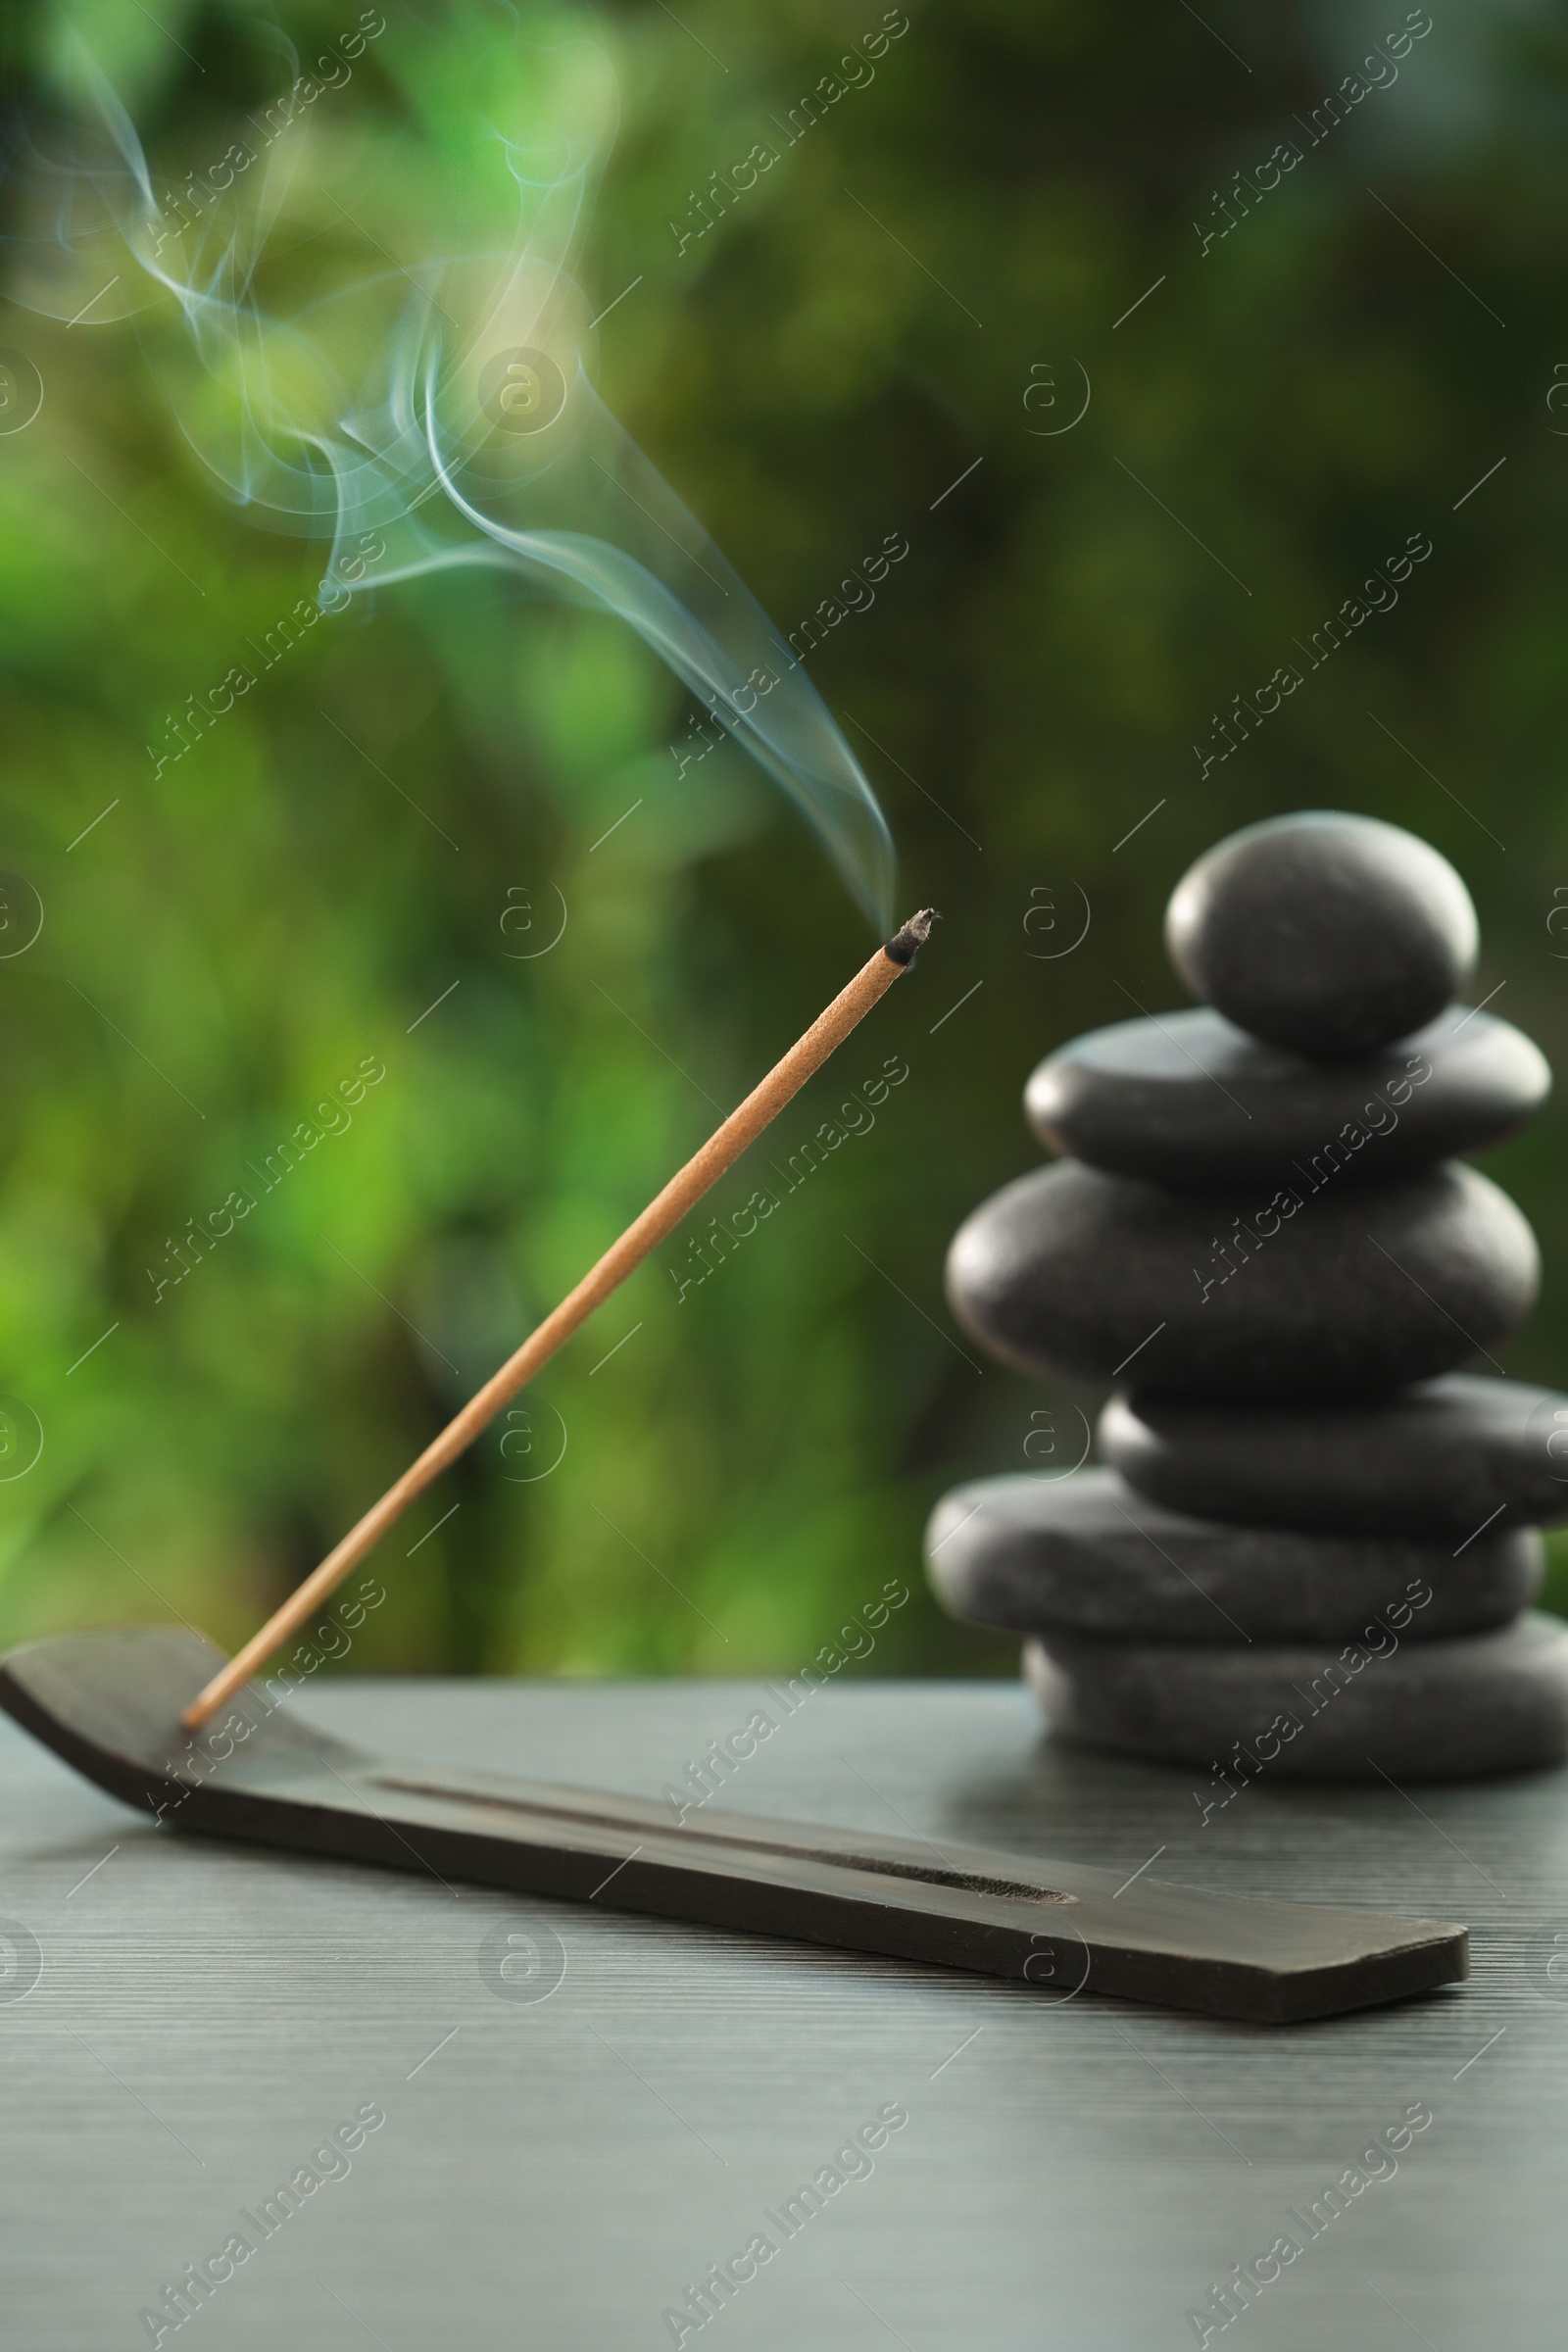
{"x": 1360, "y": 1289}
{"x": 1442, "y": 1459}
{"x": 1189, "y": 1099}
{"x": 1088, "y": 1554}
{"x": 1327, "y": 933}
{"x": 1430, "y": 1710}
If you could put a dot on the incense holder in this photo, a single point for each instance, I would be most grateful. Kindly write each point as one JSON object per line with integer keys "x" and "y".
{"x": 1311, "y": 1547}
{"x": 110, "y": 1704}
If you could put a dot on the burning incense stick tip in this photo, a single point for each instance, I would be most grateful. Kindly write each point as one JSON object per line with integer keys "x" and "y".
{"x": 905, "y": 945}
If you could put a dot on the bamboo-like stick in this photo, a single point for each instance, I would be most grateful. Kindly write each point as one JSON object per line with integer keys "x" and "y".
{"x": 657, "y": 1223}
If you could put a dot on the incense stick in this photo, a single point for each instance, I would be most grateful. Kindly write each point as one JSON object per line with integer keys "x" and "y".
{"x": 657, "y": 1223}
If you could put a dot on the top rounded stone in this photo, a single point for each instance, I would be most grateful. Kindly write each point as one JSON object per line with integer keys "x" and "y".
{"x": 1328, "y": 933}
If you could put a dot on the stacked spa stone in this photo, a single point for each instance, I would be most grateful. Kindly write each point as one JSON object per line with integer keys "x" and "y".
{"x": 1314, "y": 1546}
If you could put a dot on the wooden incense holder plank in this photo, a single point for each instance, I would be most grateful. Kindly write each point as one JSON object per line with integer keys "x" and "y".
{"x": 110, "y": 1703}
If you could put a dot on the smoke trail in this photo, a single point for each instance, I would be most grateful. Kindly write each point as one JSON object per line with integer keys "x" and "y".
{"x": 446, "y": 402}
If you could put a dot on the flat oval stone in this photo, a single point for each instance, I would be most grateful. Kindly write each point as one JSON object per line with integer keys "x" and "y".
{"x": 1328, "y": 933}
{"x": 1189, "y": 1099}
{"x": 1215, "y": 1294}
{"x": 1443, "y": 1459}
{"x": 1088, "y": 1554}
{"x": 1430, "y": 1710}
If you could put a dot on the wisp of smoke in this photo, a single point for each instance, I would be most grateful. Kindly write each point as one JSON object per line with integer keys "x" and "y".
{"x": 442, "y": 402}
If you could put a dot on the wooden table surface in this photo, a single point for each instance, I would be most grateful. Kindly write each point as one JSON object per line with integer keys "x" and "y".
{"x": 555, "y": 2172}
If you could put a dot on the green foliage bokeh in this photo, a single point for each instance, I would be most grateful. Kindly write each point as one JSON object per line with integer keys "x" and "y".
{"x": 888, "y": 333}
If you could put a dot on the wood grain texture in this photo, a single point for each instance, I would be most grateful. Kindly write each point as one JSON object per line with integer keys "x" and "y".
{"x": 559, "y": 2172}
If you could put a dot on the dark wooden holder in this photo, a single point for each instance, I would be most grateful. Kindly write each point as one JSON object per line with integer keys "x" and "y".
{"x": 110, "y": 1703}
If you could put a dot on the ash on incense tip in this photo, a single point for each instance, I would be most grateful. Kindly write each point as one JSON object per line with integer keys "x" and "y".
{"x": 905, "y": 945}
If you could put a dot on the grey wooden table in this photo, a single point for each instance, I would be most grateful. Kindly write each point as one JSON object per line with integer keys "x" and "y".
{"x": 562, "y": 2162}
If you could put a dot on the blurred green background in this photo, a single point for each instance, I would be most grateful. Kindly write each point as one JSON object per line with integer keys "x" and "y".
{"x": 892, "y": 332}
